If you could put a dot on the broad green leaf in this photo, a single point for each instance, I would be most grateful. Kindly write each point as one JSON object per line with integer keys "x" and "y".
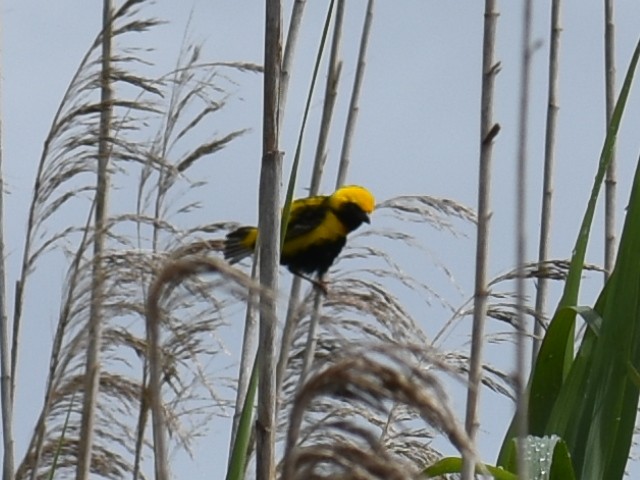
{"x": 554, "y": 357}
{"x": 547, "y": 458}
{"x": 634, "y": 375}
{"x": 539, "y": 456}
{"x": 591, "y": 317}
{"x": 616, "y": 396}
{"x": 561, "y": 466}
{"x": 595, "y": 412}
{"x": 511, "y": 456}
{"x": 554, "y": 360}
{"x": 566, "y": 408}
{"x": 454, "y": 465}
{"x": 566, "y": 397}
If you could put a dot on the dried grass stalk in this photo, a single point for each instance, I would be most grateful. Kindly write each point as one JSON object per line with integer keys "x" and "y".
{"x": 378, "y": 377}
{"x": 173, "y": 273}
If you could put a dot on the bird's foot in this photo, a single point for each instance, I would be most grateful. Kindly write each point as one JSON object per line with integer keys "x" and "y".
{"x": 320, "y": 285}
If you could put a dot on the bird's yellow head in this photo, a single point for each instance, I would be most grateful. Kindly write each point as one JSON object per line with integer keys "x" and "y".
{"x": 355, "y": 194}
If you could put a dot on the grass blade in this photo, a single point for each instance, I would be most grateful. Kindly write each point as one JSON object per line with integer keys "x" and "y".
{"x": 238, "y": 460}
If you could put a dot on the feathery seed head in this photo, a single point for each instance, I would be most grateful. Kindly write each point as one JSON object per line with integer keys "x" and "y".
{"x": 354, "y": 194}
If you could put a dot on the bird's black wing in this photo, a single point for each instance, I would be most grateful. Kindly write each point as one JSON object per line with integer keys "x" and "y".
{"x": 305, "y": 215}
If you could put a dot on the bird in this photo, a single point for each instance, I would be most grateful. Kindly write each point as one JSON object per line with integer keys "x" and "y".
{"x": 316, "y": 232}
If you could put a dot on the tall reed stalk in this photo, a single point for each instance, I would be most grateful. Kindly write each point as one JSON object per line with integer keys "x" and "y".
{"x": 92, "y": 374}
{"x": 520, "y": 373}
{"x": 7, "y": 384}
{"x": 269, "y": 227}
{"x": 553, "y": 105}
{"x": 488, "y": 131}
{"x": 611, "y": 180}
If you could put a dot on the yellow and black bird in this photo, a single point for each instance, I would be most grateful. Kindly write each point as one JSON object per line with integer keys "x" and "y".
{"x": 316, "y": 232}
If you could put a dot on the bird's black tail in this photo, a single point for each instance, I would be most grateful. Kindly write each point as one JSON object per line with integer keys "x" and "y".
{"x": 240, "y": 243}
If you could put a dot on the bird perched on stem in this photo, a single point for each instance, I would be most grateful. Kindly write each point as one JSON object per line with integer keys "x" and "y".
{"x": 316, "y": 232}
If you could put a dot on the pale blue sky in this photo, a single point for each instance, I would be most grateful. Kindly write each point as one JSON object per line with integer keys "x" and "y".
{"x": 417, "y": 133}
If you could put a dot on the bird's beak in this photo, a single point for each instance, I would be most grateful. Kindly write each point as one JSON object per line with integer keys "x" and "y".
{"x": 366, "y": 218}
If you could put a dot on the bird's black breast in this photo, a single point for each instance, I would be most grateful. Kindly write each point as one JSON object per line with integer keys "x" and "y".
{"x": 315, "y": 258}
